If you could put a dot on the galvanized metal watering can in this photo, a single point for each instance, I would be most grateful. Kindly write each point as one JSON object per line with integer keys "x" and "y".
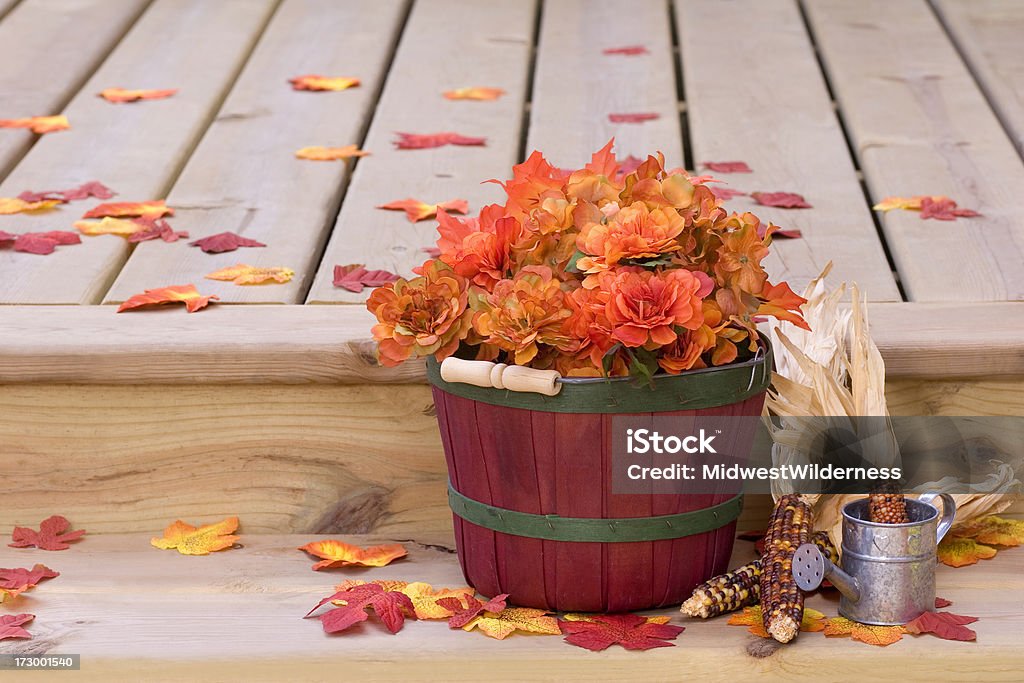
{"x": 888, "y": 570}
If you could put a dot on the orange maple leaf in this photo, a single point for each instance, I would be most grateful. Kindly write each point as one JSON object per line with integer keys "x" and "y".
{"x": 186, "y": 294}
{"x": 11, "y": 205}
{"x": 243, "y": 274}
{"x": 960, "y": 552}
{"x": 424, "y": 596}
{"x": 118, "y": 95}
{"x": 341, "y": 554}
{"x": 416, "y": 211}
{"x": 314, "y": 82}
{"x": 190, "y": 540}
{"x": 751, "y": 616}
{"x": 38, "y": 124}
{"x": 331, "y": 153}
{"x": 151, "y": 209}
{"x": 111, "y": 226}
{"x": 994, "y": 530}
{"x": 475, "y": 93}
{"x": 872, "y": 635}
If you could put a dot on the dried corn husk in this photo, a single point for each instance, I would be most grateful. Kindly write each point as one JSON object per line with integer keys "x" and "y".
{"x": 835, "y": 371}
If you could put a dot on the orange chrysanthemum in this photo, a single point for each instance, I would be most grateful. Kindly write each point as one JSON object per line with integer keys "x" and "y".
{"x": 633, "y": 232}
{"x": 645, "y": 307}
{"x": 479, "y": 249}
{"x": 522, "y": 313}
{"x": 684, "y": 353}
{"x": 422, "y": 316}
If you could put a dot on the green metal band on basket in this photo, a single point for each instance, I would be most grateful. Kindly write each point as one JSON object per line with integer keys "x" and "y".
{"x": 692, "y": 390}
{"x": 589, "y": 530}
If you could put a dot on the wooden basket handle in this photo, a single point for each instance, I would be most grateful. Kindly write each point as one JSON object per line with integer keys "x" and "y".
{"x": 483, "y": 373}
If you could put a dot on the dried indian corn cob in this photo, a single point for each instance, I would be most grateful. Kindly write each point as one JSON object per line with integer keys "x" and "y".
{"x": 740, "y": 587}
{"x": 887, "y": 506}
{"x": 782, "y": 601}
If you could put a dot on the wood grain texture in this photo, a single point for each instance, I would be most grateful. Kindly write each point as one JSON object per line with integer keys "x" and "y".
{"x": 47, "y": 49}
{"x": 764, "y": 101}
{"x": 136, "y": 149}
{"x": 320, "y": 344}
{"x": 994, "y": 396}
{"x": 236, "y": 615}
{"x": 576, "y": 87}
{"x": 988, "y": 34}
{"x": 296, "y": 459}
{"x": 921, "y": 126}
{"x": 244, "y": 176}
{"x": 446, "y": 44}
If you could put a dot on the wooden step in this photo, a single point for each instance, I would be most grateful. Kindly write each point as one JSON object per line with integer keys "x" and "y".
{"x": 237, "y": 615}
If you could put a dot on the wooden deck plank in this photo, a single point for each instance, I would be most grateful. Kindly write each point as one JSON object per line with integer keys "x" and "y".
{"x": 988, "y": 33}
{"x": 921, "y": 126}
{"x": 285, "y": 458}
{"x": 313, "y": 344}
{"x": 44, "y": 57}
{"x": 136, "y": 149}
{"x": 244, "y": 176}
{"x": 237, "y": 614}
{"x": 446, "y": 44}
{"x": 764, "y": 101}
{"x": 576, "y": 86}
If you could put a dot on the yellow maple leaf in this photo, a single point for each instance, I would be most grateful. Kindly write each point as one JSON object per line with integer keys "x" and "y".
{"x": 872, "y": 635}
{"x": 751, "y": 616}
{"x": 424, "y": 596}
{"x": 315, "y": 82}
{"x": 11, "y": 205}
{"x": 317, "y": 153}
{"x": 340, "y": 554}
{"x": 189, "y": 540}
{"x": 994, "y": 530}
{"x": 960, "y": 552}
{"x": 476, "y": 93}
{"x": 511, "y": 619}
{"x": 905, "y": 203}
{"x": 110, "y": 226}
{"x": 242, "y": 274}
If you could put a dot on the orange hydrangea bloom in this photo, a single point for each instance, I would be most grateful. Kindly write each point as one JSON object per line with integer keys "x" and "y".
{"x": 522, "y": 313}
{"x": 422, "y": 316}
{"x": 645, "y": 307}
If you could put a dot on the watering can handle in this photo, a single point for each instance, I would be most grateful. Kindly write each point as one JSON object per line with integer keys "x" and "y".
{"x": 948, "y": 511}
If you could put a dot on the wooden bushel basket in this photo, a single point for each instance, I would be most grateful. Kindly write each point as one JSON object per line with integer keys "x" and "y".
{"x": 532, "y": 472}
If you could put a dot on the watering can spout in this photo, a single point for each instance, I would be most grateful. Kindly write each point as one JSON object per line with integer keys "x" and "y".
{"x": 811, "y": 567}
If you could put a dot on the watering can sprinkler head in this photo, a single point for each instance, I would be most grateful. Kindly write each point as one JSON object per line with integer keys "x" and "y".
{"x": 811, "y": 567}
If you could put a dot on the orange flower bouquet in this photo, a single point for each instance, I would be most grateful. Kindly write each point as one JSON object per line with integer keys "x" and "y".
{"x": 592, "y": 272}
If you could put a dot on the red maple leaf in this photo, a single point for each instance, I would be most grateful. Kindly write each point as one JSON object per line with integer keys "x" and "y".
{"x": 41, "y": 243}
{"x": 432, "y": 252}
{"x": 942, "y": 602}
{"x": 725, "y": 193}
{"x": 631, "y": 631}
{"x": 391, "y": 607}
{"x": 787, "y": 234}
{"x": 158, "y": 229}
{"x": 945, "y": 625}
{"x": 224, "y": 241}
{"x": 88, "y": 189}
{"x": 943, "y": 209}
{"x": 10, "y": 625}
{"x": 53, "y": 534}
{"x": 19, "y": 579}
{"x": 637, "y": 117}
{"x": 462, "y": 614}
{"x": 627, "y": 50}
{"x": 783, "y": 200}
{"x": 727, "y": 166}
{"x": 354, "y": 277}
{"x": 414, "y": 141}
